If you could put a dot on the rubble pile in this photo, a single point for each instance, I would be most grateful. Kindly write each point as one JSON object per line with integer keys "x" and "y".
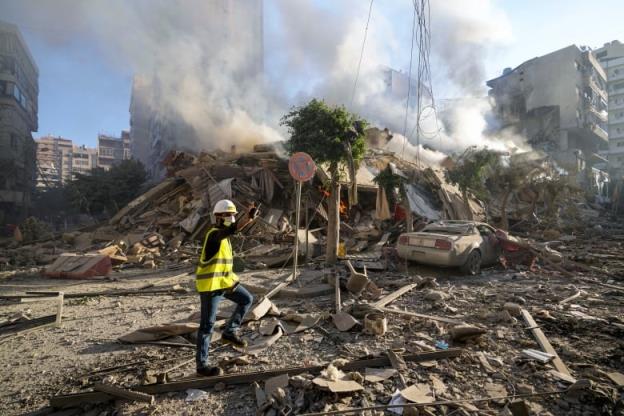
{"x": 165, "y": 226}
{"x": 539, "y": 331}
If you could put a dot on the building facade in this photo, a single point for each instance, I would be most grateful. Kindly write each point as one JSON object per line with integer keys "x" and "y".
{"x": 611, "y": 57}
{"x": 559, "y": 103}
{"x": 19, "y": 92}
{"x": 59, "y": 160}
{"x": 84, "y": 160}
{"x": 112, "y": 150}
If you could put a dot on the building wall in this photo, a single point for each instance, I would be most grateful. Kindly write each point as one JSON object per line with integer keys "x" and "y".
{"x": 19, "y": 90}
{"x": 112, "y": 150}
{"x": 140, "y": 112}
{"x": 59, "y": 159}
{"x": 611, "y": 57}
{"x": 558, "y": 101}
{"x": 84, "y": 159}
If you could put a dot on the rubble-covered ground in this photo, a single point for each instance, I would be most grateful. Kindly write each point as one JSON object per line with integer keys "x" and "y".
{"x": 133, "y": 324}
{"x": 587, "y": 333}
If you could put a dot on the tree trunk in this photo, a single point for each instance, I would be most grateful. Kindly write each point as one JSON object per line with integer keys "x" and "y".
{"x": 467, "y": 204}
{"x": 333, "y": 225}
{"x": 504, "y": 221}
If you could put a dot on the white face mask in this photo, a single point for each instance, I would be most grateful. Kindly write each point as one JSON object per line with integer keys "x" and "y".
{"x": 227, "y": 221}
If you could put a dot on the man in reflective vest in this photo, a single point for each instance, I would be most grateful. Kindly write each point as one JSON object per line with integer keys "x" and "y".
{"x": 215, "y": 280}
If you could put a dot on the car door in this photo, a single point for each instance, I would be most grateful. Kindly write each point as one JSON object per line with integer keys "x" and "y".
{"x": 489, "y": 244}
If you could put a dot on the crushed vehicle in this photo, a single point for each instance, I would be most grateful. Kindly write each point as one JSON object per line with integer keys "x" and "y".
{"x": 464, "y": 244}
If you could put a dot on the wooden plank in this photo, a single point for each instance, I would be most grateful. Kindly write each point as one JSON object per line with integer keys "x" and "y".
{"x": 245, "y": 378}
{"x": 35, "y": 323}
{"x": 134, "y": 292}
{"x": 398, "y": 363}
{"x": 59, "y": 309}
{"x": 281, "y": 286}
{"x": 544, "y": 343}
{"x": 166, "y": 279}
{"x": 394, "y": 295}
{"x": 337, "y": 299}
{"x": 150, "y": 195}
{"x": 420, "y": 315}
{"x": 124, "y": 394}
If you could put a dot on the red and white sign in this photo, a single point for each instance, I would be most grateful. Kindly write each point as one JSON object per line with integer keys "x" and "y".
{"x": 301, "y": 167}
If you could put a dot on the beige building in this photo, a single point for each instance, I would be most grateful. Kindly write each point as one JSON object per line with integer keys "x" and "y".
{"x": 84, "y": 159}
{"x": 59, "y": 159}
{"x": 559, "y": 103}
{"x": 19, "y": 91}
{"x": 611, "y": 57}
{"x": 112, "y": 150}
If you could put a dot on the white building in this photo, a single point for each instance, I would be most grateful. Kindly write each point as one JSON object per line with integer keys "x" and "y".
{"x": 611, "y": 57}
{"x": 559, "y": 103}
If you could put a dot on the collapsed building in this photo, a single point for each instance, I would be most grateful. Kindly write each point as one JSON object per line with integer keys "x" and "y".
{"x": 559, "y": 103}
{"x": 159, "y": 107}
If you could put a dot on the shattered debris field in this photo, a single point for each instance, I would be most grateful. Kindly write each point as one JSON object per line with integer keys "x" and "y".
{"x": 586, "y": 332}
{"x": 110, "y": 326}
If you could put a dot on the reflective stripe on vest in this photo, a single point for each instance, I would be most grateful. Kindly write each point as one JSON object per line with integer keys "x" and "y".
{"x": 216, "y": 273}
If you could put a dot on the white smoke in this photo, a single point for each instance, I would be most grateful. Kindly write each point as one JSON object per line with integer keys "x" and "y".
{"x": 311, "y": 50}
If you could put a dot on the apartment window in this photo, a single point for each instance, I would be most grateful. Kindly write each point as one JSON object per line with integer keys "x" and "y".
{"x": 620, "y": 158}
{"x": 106, "y": 151}
{"x": 601, "y": 54}
{"x": 616, "y": 71}
{"x": 620, "y": 144}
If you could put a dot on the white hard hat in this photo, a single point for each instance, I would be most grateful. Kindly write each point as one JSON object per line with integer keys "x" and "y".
{"x": 225, "y": 206}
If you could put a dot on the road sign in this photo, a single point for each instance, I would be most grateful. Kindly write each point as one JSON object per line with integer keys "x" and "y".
{"x": 301, "y": 167}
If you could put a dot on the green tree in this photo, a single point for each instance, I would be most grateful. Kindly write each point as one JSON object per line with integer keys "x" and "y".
{"x": 105, "y": 192}
{"x": 470, "y": 172}
{"x": 330, "y": 135}
{"x": 505, "y": 178}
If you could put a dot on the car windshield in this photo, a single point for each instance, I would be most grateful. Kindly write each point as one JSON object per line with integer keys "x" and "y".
{"x": 454, "y": 229}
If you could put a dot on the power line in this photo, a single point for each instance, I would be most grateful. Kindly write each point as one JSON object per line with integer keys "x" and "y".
{"x": 409, "y": 81}
{"x": 357, "y": 74}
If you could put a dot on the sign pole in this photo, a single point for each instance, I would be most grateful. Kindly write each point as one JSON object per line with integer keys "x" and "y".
{"x": 301, "y": 168}
{"x": 297, "y": 216}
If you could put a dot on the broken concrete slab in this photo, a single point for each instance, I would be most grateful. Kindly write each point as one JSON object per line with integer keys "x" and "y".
{"x": 73, "y": 266}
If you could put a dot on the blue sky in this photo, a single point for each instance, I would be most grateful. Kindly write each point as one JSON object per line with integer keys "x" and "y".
{"x": 83, "y": 94}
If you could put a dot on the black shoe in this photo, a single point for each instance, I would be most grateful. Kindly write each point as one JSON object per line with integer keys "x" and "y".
{"x": 210, "y": 372}
{"x": 234, "y": 339}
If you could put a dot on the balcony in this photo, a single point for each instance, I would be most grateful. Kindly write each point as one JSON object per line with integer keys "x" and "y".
{"x": 616, "y": 106}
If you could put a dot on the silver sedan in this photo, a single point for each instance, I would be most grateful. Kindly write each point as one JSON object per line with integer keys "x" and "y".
{"x": 464, "y": 244}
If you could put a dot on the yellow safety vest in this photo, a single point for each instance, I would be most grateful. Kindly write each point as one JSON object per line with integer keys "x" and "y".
{"x": 216, "y": 273}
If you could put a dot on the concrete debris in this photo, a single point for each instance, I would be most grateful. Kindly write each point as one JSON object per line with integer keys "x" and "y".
{"x": 372, "y": 331}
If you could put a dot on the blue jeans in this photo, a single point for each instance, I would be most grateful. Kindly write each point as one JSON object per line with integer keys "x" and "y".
{"x": 209, "y": 304}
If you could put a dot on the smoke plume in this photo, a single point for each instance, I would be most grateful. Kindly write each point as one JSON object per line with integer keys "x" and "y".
{"x": 201, "y": 76}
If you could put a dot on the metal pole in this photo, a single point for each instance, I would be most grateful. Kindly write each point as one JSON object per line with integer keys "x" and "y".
{"x": 307, "y": 228}
{"x": 297, "y": 215}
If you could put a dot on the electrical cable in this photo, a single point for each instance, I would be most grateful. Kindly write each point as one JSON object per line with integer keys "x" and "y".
{"x": 409, "y": 82}
{"x": 357, "y": 74}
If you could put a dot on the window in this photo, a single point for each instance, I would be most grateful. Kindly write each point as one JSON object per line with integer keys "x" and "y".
{"x": 13, "y": 141}
{"x": 601, "y": 54}
{"x": 106, "y": 151}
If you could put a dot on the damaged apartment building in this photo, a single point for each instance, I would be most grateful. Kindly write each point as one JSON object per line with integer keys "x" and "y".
{"x": 559, "y": 103}
{"x": 19, "y": 90}
{"x": 157, "y": 125}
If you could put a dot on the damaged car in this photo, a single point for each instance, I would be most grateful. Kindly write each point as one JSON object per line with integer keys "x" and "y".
{"x": 468, "y": 245}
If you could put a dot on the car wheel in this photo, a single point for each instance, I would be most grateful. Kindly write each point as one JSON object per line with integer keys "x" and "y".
{"x": 473, "y": 263}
